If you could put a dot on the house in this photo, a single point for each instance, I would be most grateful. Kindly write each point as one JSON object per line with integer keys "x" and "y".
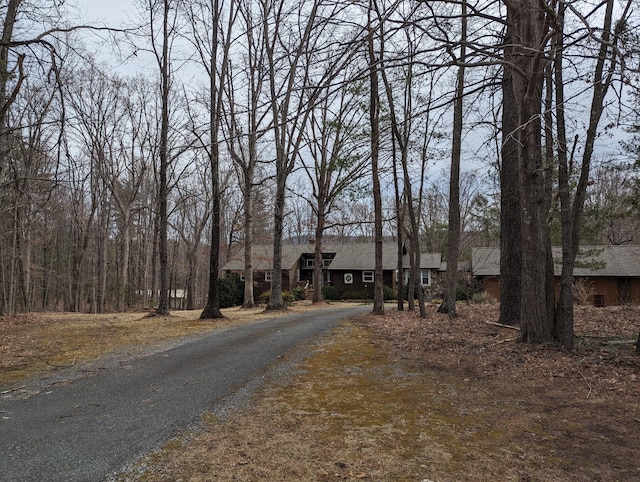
{"x": 607, "y": 275}
{"x": 349, "y": 267}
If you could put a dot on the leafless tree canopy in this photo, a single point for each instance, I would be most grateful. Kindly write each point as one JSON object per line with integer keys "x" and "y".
{"x": 128, "y": 179}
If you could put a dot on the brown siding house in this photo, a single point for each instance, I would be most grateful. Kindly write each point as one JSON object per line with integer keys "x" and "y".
{"x": 607, "y": 275}
{"x": 348, "y": 267}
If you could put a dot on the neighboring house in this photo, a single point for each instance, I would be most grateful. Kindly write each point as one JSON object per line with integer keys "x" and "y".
{"x": 350, "y": 268}
{"x": 606, "y": 275}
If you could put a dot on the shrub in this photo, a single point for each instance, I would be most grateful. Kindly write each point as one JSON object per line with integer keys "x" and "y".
{"x": 330, "y": 293}
{"x": 353, "y": 295}
{"x": 483, "y": 297}
{"x": 231, "y": 291}
{"x": 298, "y": 293}
{"x": 263, "y": 298}
{"x": 389, "y": 293}
{"x": 466, "y": 290}
{"x": 287, "y": 297}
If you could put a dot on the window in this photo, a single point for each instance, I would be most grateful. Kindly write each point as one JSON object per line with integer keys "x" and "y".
{"x": 309, "y": 262}
{"x": 425, "y": 277}
{"x": 367, "y": 276}
{"x": 242, "y": 277}
{"x": 267, "y": 275}
{"x": 326, "y": 277}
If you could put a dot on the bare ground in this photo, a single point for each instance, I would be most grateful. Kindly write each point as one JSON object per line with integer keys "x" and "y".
{"x": 402, "y": 398}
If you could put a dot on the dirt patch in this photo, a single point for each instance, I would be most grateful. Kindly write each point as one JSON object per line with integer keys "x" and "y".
{"x": 398, "y": 398}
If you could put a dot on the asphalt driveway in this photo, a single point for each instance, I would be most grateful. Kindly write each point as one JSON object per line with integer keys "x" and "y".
{"x": 91, "y": 424}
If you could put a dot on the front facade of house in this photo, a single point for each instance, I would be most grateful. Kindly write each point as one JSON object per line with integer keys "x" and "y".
{"x": 605, "y": 275}
{"x": 347, "y": 267}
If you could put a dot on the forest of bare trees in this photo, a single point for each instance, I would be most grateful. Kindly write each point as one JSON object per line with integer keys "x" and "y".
{"x": 127, "y": 179}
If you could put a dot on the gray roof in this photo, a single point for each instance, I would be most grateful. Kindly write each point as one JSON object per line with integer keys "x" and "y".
{"x": 485, "y": 261}
{"x": 262, "y": 257}
{"x": 351, "y": 256}
{"x": 602, "y": 261}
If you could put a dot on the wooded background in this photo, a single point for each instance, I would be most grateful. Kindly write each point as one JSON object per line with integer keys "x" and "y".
{"x": 221, "y": 123}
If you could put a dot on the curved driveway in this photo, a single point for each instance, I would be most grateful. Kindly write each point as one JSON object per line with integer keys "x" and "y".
{"x": 91, "y": 427}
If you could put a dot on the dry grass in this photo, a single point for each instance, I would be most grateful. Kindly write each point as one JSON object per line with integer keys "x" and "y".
{"x": 35, "y": 343}
{"x": 397, "y": 398}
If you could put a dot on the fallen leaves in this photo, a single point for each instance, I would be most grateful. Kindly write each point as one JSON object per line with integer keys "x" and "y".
{"x": 479, "y": 346}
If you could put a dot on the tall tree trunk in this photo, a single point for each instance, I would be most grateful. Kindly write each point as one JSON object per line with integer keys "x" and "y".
{"x": 216, "y": 82}
{"x": 374, "y": 117}
{"x": 123, "y": 265}
{"x": 6, "y": 100}
{"x": 510, "y": 203}
{"x": 571, "y": 215}
{"x": 563, "y": 326}
{"x": 256, "y": 72}
{"x": 402, "y": 139}
{"x": 163, "y": 187}
{"x": 276, "y": 302}
{"x": 399, "y": 233}
{"x": 453, "y": 247}
{"x": 289, "y": 121}
{"x": 102, "y": 268}
{"x": 212, "y": 308}
{"x": 318, "y": 264}
{"x": 249, "y": 301}
{"x": 530, "y": 28}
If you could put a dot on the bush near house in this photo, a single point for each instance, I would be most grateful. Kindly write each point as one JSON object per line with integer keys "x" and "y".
{"x": 231, "y": 291}
{"x": 298, "y": 293}
{"x": 263, "y": 298}
{"x": 389, "y": 293}
{"x": 330, "y": 293}
{"x": 353, "y": 295}
{"x": 287, "y": 297}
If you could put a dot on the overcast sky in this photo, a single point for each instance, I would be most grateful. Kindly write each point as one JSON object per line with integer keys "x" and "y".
{"x": 113, "y": 12}
{"x": 119, "y": 13}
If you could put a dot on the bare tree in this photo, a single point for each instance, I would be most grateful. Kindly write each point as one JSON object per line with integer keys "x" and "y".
{"x": 453, "y": 248}
{"x": 212, "y": 43}
{"x": 336, "y": 160}
{"x": 611, "y": 207}
{"x": 572, "y": 211}
{"x": 7, "y": 98}
{"x": 244, "y": 131}
{"x": 402, "y": 128}
{"x": 193, "y": 213}
{"x": 530, "y": 26}
{"x": 510, "y": 199}
{"x": 294, "y": 88}
{"x": 28, "y": 186}
{"x": 163, "y": 23}
{"x": 373, "y": 61}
